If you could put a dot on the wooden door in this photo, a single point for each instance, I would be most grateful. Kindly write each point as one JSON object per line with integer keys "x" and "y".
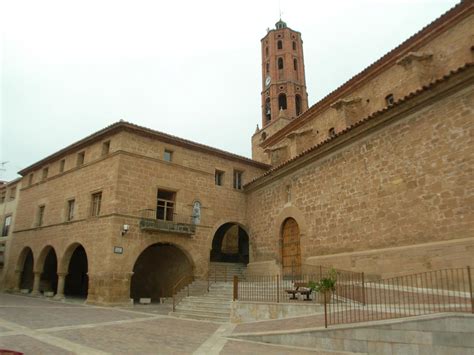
{"x": 291, "y": 251}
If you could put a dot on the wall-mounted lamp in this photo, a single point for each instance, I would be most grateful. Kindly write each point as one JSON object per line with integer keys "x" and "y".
{"x": 125, "y": 229}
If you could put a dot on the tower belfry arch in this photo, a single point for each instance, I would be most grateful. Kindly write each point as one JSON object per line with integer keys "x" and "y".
{"x": 283, "y": 74}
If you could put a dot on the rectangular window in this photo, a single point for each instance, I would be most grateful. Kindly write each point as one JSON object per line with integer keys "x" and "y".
{"x": 45, "y": 173}
{"x": 168, "y": 155}
{"x": 40, "y": 215}
{"x": 80, "y": 158}
{"x": 238, "y": 179}
{"x": 105, "y": 148}
{"x": 12, "y": 193}
{"x": 96, "y": 202}
{"x": 6, "y": 226}
{"x": 70, "y": 209}
{"x": 62, "y": 163}
{"x": 165, "y": 205}
{"x": 3, "y": 194}
{"x": 219, "y": 176}
{"x": 30, "y": 180}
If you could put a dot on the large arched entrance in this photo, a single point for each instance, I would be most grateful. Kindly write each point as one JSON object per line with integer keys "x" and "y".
{"x": 26, "y": 266}
{"x": 230, "y": 244}
{"x": 48, "y": 262}
{"x": 77, "y": 281}
{"x": 157, "y": 269}
{"x": 291, "y": 250}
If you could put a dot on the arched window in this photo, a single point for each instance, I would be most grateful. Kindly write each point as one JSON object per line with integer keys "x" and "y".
{"x": 294, "y": 45}
{"x": 280, "y": 45}
{"x": 280, "y": 63}
{"x": 268, "y": 68}
{"x": 295, "y": 64}
{"x": 298, "y": 104}
{"x": 266, "y": 51}
{"x": 268, "y": 112}
{"x": 282, "y": 101}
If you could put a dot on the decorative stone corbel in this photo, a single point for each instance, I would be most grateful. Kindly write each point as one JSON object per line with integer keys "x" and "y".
{"x": 342, "y": 103}
{"x": 298, "y": 133}
{"x": 412, "y": 57}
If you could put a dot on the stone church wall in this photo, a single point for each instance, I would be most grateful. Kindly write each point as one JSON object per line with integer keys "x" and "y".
{"x": 406, "y": 186}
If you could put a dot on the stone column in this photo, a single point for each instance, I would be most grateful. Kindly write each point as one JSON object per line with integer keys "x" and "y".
{"x": 36, "y": 283}
{"x": 61, "y": 282}
{"x": 17, "y": 280}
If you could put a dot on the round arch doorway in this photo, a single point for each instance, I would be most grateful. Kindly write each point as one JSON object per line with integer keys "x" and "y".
{"x": 77, "y": 281}
{"x": 26, "y": 263}
{"x": 156, "y": 271}
{"x": 291, "y": 249}
{"x": 230, "y": 244}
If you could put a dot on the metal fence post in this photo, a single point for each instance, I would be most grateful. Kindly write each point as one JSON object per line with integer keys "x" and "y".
{"x": 325, "y": 311}
{"x": 470, "y": 288}
{"x": 236, "y": 287}
{"x": 278, "y": 288}
{"x": 363, "y": 290}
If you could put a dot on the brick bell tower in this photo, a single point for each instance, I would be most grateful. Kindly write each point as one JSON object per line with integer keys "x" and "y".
{"x": 283, "y": 76}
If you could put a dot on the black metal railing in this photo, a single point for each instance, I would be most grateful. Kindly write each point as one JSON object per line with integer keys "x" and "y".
{"x": 352, "y": 299}
{"x": 176, "y": 224}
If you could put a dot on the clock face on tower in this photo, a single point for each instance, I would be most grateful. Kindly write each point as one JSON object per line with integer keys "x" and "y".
{"x": 268, "y": 80}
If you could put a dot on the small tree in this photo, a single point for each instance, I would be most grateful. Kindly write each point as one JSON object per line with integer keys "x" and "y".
{"x": 326, "y": 284}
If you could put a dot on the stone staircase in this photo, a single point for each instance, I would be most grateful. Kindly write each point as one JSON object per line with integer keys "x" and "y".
{"x": 215, "y": 304}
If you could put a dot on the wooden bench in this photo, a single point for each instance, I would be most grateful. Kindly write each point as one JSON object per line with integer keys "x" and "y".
{"x": 302, "y": 288}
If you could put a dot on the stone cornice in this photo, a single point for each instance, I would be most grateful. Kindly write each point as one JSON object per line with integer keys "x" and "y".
{"x": 413, "y": 102}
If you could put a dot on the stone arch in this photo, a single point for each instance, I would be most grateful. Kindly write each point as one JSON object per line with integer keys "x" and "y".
{"x": 230, "y": 243}
{"x": 39, "y": 264}
{"x": 21, "y": 258}
{"x": 24, "y": 268}
{"x": 47, "y": 266}
{"x": 75, "y": 265}
{"x": 157, "y": 269}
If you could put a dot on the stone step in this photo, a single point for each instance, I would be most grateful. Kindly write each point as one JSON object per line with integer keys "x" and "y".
{"x": 204, "y": 311}
{"x": 200, "y": 316}
{"x": 205, "y": 305}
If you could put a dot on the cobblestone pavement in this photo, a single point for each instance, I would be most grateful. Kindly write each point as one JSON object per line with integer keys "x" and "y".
{"x": 41, "y": 326}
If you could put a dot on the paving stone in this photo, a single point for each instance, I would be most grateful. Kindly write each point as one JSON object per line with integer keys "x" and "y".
{"x": 163, "y": 336}
{"x": 28, "y": 345}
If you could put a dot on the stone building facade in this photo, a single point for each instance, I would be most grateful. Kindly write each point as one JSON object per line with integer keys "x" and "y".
{"x": 9, "y": 193}
{"x": 75, "y": 204}
{"x": 375, "y": 177}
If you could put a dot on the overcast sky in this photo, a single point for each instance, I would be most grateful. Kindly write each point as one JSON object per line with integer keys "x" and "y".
{"x": 188, "y": 68}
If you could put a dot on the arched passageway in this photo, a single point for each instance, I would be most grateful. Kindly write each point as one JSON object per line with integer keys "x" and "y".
{"x": 291, "y": 249}
{"x": 156, "y": 271}
{"x": 230, "y": 244}
{"x": 26, "y": 264}
{"x": 49, "y": 276}
{"x": 77, "y": 281}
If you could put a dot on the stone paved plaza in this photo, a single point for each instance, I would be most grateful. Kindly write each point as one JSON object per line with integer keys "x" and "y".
{"x": 40, "y": 326}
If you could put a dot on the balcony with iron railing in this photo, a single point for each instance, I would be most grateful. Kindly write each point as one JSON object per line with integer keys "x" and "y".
{"x": 173, "y": 223}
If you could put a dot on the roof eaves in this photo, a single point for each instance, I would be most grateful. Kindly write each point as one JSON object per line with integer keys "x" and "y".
{"x": 387, "y": 59}
{"x": 362, "y": 121}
